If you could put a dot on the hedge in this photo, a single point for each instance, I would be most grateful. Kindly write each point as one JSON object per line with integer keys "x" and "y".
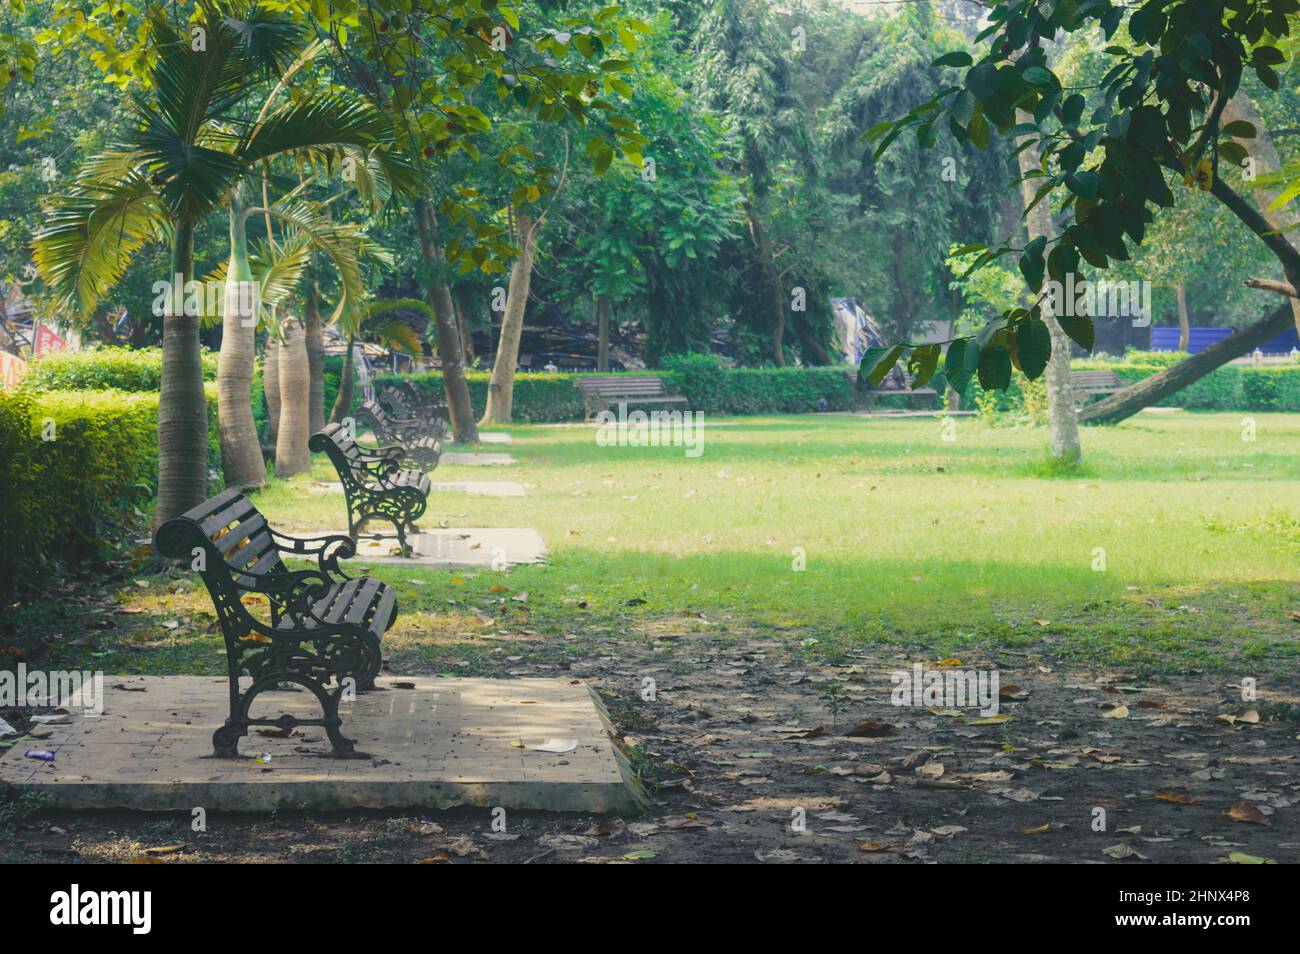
{"x": 542, "y": 397}
{"x": 103, "y": 369}
{"x": 1232, "y": 387}
{"x": 69, "y": 498}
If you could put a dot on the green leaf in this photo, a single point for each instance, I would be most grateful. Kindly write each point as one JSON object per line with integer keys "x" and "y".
{"x": 1079, "y": 329}
{"x": 922, "y": 363}
{"x": 961, "y": 363}
{"x": 1033, "y": 347}
{"x": 878, "y": 362}
{"x": 1039, "y": 76}
{"x": 1240, "y": 129}
{"x": 955, "y": 58}
{"x": 995, "y": 368}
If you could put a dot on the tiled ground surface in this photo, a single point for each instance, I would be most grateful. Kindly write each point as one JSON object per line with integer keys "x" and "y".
{"x": 441, "y": 743}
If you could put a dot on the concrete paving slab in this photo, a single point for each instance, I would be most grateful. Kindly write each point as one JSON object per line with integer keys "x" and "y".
{"x": 481, "y": 488}
{"x": 450, "y": 547}
{"x": 494, "y": 437}
{"x": 443, "y": 743}
{"x": 477, "y": 460}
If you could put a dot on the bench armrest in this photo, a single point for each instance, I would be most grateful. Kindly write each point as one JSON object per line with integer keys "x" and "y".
{"x": 328, "y": 550}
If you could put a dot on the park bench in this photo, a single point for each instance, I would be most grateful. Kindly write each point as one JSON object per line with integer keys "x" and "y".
{"x": 322, "y": 630}
{"x": 599, "y": 393}
{"x": 1087, "y": 384}
{"x": 374, "y": 484}
{"x": 897, "y": 381}
{"x": 418, "y": 446}
{"x": 408, "y": 402}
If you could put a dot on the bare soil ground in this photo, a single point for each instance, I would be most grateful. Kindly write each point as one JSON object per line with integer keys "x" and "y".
{"x": 754, "y": 748}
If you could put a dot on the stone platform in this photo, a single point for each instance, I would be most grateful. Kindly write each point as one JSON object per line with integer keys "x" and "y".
{"x": 480, "y": 488}
{"x": 440, "y": 744}
{"x": 452, "y": 548}
{"x": 464, "y": 459}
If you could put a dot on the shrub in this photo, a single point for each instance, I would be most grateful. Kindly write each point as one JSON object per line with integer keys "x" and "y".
{"x": 75, "y": 466}
{"x": 103, "y": 369}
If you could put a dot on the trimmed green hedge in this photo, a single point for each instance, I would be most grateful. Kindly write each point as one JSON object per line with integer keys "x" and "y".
{"x": 103, "y": 369}
{"x": 1232, "y": 387}
{"x": 74, "y": 466}
{"x": 541, "y": 397}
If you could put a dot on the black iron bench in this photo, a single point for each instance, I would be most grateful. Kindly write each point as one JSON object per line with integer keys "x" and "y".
{"x": 601, "y": 392}
{"x": 407, "y": 401}
{"x": 374, "y": 484}
{"x": 322, "y": 631}
{"x": 1087, "y": 384}
{"x": 418, "y": 445}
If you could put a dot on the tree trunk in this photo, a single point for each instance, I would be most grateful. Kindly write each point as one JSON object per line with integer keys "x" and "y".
{"x": 501, "y": 389}
{"x": 292, "y": 455}
{"x": 271, "y": 385}
{"x": 1264, "y": 152}
{"x": 315, "y": 339}
{"x": 347, "y": 387}
{"x": 241, "y": 451}
{"x": 1060, "y": 395}
{"x": 602, "y": 332}
{"x": 182, "y": 406}
{"x": 466, "y": 332}
{"x": 767, "y": 262}
{"x": 1184, "y": 321}
{"x": 454, "y": 384}
{"x": 1156, "y": 388}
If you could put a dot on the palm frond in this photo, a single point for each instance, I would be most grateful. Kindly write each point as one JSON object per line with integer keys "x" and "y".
{"x": 318, "y": 123}
{"x": 91, "y": 233}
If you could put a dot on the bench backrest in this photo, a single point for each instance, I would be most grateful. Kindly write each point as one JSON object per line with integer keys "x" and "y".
{"x": 407, "y": 400}
{"x": 340, "y": 446}
{"x": 641, "y": 385}
{"x": 1094, "y": 379}
{"x": 230, "y": 543}
{"x": 376, "y": 414}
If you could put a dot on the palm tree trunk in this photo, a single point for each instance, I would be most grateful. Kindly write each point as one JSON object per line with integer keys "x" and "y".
{"x": 182, "y": 405}
{"x": 292, "y": 455}
{"x": 241, "y": 453}
{"x": 501, "y": 389}
{"x": 271, "y": 385}
{"x": 1184, "y": 321}
{"x": 602, "y": 332}
{"x": 1060, "y": 393}
{"x": 347, "y": 387}
{"x": 454, "y": 384}
{"x": 315, "y": 337}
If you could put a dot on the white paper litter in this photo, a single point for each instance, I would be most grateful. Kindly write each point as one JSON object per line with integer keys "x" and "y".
{"x": 557, "y": 746}
{"x": 6, "y": 729}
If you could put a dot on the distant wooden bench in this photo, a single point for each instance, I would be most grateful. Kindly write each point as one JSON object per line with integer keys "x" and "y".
{"x": 321, "y": 632}
{"x": 411, "y": 436}
{"x": 1086, "y": 384}
{"x": 897, "y": 381}
{"x": 374, "y": 484}
{"x": 599, "y": 393}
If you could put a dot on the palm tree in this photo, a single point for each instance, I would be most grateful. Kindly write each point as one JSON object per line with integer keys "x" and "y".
{"x": 180, "y": 163}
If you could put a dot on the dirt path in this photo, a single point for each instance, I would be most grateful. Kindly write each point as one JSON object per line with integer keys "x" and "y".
{"x": 744, "y": 745}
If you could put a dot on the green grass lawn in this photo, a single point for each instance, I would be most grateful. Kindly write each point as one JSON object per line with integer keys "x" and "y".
{"x": 905, "y": 536}
{"x": 956, "y": 547}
